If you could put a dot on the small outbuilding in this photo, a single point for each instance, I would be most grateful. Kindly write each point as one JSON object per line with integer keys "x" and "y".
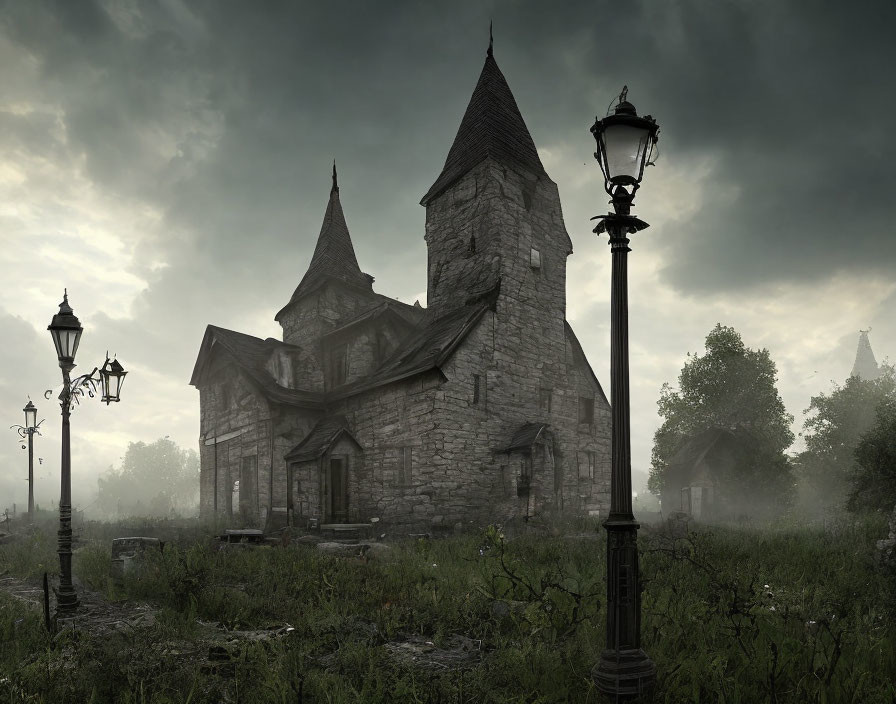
{"x": 693, "y": 474}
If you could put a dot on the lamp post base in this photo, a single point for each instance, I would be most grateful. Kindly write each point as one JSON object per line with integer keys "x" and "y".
{"x": 624, "y": 673}
{"x": 66, "y": 601}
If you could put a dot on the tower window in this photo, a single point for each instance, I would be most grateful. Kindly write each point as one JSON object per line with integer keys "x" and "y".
{"x": 535, "y": 258}
{"x": 544, "y": 399}
{"x": 476, "y": 384}
{"x": 471, "y": 248}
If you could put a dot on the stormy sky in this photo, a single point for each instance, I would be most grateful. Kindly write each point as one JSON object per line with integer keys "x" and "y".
{"x": 169, "y": 163}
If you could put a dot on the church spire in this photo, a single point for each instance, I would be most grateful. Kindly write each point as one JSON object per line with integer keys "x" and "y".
{"x": 491, "y": 40}
{"x": 334, "y": 255}
{"x": 865, "y": 366}
{"x": 492, "y": 127}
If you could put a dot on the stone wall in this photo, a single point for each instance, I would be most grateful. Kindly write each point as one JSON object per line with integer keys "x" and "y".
{"x": 235, "y": 423}
{"x": 241, "y": 431}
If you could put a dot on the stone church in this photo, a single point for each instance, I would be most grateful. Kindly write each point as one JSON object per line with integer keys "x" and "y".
{"x": 480, "y": 407}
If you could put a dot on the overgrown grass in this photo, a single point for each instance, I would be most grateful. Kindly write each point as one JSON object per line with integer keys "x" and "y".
{"x": 787, "y": 613}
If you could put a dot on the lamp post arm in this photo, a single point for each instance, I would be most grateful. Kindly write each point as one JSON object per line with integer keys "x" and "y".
{"x": 74, "y": 389}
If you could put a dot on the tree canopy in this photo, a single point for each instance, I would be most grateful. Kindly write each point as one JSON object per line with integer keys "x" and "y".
{"x": 874, "y": 478}
{"x": 153, "y": 480}
{"x": 734, "y": 388}
{"x": 834, "y": 428}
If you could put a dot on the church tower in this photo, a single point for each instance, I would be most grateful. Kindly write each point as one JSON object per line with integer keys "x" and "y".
{"x": 334, "y": 287}
{"x": 493, "y": 218}
{"x": 865, "y": 366}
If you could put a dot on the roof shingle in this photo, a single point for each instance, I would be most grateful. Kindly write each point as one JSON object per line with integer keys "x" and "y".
{"x": 334, "y": 255}
{"x": 492, "y": 127}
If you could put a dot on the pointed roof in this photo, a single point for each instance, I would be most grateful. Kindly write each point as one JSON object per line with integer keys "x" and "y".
{"x": 334, "y": 255}
{"x": 491, "y": 127}
{"x": 865, "y": 366}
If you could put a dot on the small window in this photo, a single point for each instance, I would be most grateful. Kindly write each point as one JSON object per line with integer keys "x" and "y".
{"x": 476, "y": 383}
{"x": 471, "y": 248}
{"x": 586, "y": 410}
{"x": 535, "y": 258}
{"x": 404, "y": 465}
{"x": 591, "y": 465}
{"x": 544, "y": 399}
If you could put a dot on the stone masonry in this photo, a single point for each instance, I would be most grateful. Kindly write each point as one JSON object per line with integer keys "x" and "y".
{"x": 480, "y": 407}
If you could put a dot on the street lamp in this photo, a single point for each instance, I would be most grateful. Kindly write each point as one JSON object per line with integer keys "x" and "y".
{"x": 66, "y": 332}
{"x": 625, "y": 145}
{"x": 29, "y": 429}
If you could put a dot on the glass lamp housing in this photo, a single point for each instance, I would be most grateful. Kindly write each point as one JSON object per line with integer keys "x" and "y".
{"x": 625, "y": 145}
{"x": 112, "y": 375}
{"x": 66, "y": 331}
{"x": 30, "y": 415}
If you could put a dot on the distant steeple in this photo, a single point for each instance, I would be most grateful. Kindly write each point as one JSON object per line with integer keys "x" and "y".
{"x": 334, "y": 255}
{"x": 491, "y": 127}
{"x": 865, "y": 366}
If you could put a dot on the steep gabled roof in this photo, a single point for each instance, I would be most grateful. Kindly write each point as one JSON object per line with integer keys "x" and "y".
{"x": 334, "y": 255}
{"x": 491, "y": 127}
{"x": 322, "y": 437}
{"x": 251, "y": 355}
{"x": 428, "y": 347}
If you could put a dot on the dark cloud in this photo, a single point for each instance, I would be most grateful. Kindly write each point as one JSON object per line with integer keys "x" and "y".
{"x": 219, "y": 120}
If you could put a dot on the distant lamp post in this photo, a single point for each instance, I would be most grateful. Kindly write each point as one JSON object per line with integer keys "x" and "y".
{"x": 29, "y": 429}
{"x": 625, "y": 145}
{"x": 66, "y": 332}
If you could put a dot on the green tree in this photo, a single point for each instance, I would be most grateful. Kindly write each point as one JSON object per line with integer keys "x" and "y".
{"x": 874, "y": 479}
{"x": 153, "y": 480}
{"x": 731, "y": 387}
{"x": 833, "y": 430}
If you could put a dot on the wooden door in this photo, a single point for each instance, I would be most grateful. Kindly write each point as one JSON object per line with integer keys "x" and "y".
{"x": 338, "y": 490}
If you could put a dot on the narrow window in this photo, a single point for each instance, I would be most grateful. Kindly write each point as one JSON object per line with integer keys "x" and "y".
{"x": 535, "y": 258}
{"x": 404, "y": 465}
{"x": 591, "y": 465}
{"x": 471, "y": 248}
{"x": 586, "y": 410}
{"x": 338, "y": 365}
{"x": 544, "y": 399}
{"x": 476, "y": 383}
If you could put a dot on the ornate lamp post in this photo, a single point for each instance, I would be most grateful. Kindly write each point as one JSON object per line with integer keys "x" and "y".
{"x": 29, "y": 429}
{"x": 625, "y": 144}
{"x": 66, "y": 332}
